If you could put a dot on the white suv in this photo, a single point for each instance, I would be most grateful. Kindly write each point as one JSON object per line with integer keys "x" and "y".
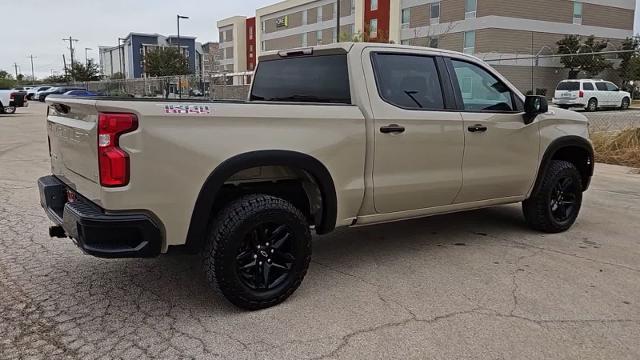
{"x": 590, "y": 95}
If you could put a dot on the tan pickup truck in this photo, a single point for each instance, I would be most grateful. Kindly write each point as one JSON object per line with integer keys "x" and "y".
{"x": 331, "y": 136}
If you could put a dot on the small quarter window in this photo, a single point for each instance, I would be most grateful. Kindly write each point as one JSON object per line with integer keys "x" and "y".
{"x": 408, "y": 81}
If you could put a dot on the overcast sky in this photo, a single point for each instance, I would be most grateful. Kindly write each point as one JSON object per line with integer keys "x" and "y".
{"x": 38, "y": 26}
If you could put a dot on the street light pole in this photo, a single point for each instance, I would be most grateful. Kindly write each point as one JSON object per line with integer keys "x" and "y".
{"x": 178, "y": 17}
{"x": 338, "y": 21}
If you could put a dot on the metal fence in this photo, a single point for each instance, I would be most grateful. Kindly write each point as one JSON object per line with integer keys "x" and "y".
{"x": 218, "y": 86}
{"x": 540, "y": 73}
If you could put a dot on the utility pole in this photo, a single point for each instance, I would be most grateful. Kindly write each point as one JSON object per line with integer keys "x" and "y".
{"x": 33, "y": 76}
{"x": 86, "y": 56}
{"x": 338, "y": 21}
{"x": 71, "y": 40}
{"x": 15, "y": 65}
{"x": 178, "y": 17}
{"x": 64, "y": 62}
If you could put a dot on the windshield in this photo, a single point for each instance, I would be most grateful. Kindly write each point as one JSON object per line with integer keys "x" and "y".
{"x": 569, "y": 86}
{"x": 303, "y": 79}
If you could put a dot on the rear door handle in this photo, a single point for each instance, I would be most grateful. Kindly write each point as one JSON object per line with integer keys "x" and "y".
{"x": 477, "y": 128}
{"x": 392, "y": 129}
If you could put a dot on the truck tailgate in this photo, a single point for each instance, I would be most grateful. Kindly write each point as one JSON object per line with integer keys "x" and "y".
{"x": 72, "y": 133}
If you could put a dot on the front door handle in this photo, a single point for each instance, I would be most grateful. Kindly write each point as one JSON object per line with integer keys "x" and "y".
{"x": 477, "y": 128}
{"x": 392, "y": 129}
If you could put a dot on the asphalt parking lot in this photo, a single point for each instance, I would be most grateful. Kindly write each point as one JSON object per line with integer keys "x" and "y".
{"x": 476, "y": 285}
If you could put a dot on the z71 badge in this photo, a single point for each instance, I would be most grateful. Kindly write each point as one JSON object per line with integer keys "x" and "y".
{"x": 183, "y": 109}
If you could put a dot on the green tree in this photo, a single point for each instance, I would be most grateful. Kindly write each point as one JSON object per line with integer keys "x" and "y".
{"x": 165, "y": 61}
{"x": 6, "y": 80}
{"x": 628, "y": 61}
{"x": 57, "y": 79}
{"x": 573, "y": 46}
{"x": 85, "y": 72}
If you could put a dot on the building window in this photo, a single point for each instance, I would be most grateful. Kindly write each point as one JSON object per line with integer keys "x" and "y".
{"x": 406, "y": 18}
{"x": 250, "y": 32}
{"x": 470, "y": 9}
{"x": 435, "y": 13}
{"x": 577, "y": 13}
{"x": 405, "y": 42}
{"x": 373, "y": 28}
{"x": 319, "y": 37}
{"x": 304, "y": 39}
{"x": 433, "y": 42}
{"x": 374, "y": 5}
{"x": 469, "y": 42}
{"x": 263, "y": 46}
{"x": 319, "y": 19}
{"x": 263, "y": 26}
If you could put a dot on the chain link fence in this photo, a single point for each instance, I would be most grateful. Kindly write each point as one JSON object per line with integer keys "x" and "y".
{"x": 216, "y": 86}
{"x": 540, "y": 74}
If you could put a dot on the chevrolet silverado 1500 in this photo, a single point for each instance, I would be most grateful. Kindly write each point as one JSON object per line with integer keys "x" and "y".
{"x": 331, "y": 136}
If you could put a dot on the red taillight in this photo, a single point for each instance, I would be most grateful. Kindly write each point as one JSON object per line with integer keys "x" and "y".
{"x": 12, "y": 96}
{"x": 581, "y": 94}
{"x": 113, "y": 161}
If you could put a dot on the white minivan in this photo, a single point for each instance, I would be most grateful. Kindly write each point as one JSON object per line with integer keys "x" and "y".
{"x": 590, "y": 95}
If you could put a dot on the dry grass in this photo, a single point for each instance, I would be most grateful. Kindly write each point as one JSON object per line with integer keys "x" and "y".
{"x": 618, "y": 148}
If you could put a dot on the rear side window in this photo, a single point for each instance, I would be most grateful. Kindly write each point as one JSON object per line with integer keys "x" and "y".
{"x": 408, "y": 81}
{"x": 601, "y": 86}
{"x": 569, "y": 86}
{"x": 323, "y": 79}
{"x": 587, "y": 86}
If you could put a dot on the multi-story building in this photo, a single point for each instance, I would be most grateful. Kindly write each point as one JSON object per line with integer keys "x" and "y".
{"x": 489, "y": 29}
{"x": 128, "y": 57}
{"x": 233, "y": 44}
{"x": 298, "y": 23}
{"x": 508, "y": 29}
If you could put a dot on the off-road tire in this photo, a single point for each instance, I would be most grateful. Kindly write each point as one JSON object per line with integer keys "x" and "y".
{"x": 592, "y": 105}
{"x": 538, "y": 208}
{"x": 227, "y": 235}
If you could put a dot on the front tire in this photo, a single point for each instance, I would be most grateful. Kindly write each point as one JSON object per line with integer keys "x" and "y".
{"x": 258, "y": 251}
{"x": 10, "y": 110}
{"x": 626, "y": 102}
{"x": 555, "y": 204}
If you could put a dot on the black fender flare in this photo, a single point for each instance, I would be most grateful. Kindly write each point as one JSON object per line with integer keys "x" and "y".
{"x": 561, "y": 143}
{"x": 206, "y": 198}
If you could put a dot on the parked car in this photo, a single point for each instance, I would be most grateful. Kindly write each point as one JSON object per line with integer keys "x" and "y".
{"x": 349, "y": 134}
{"x": 57, "y": 91}
{"x": 10, "y": 100}
{"x": 32, "y": 93}
{"x": 80, "y": 93}
{"x": 590, "y": 95}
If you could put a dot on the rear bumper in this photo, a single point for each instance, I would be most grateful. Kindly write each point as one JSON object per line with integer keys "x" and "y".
{"x": 96, "y": 232}
{"x": 568, "y": 102}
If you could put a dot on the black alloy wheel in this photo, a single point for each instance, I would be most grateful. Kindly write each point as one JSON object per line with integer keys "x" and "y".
{"x": 265, "y": 258}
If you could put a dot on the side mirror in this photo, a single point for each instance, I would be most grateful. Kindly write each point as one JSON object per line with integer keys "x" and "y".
{"x": 533, "y": 106}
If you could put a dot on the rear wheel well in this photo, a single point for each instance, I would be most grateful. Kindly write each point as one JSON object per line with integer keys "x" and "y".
{"x": 580, "y": 158}
{"x": 296, "y": 177}
{"x": 293, "y": 185}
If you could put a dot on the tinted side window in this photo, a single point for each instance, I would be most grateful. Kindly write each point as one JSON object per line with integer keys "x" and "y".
{"x": 303, "y": 79}
{"x": 601, "y": 86}
{"x": 569, "y": 86}
{"x": 408, "y": 81}
{"x": 587, "y": 86}
{"x": 481, "y": 91}
{"x": 611, "y": 87}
